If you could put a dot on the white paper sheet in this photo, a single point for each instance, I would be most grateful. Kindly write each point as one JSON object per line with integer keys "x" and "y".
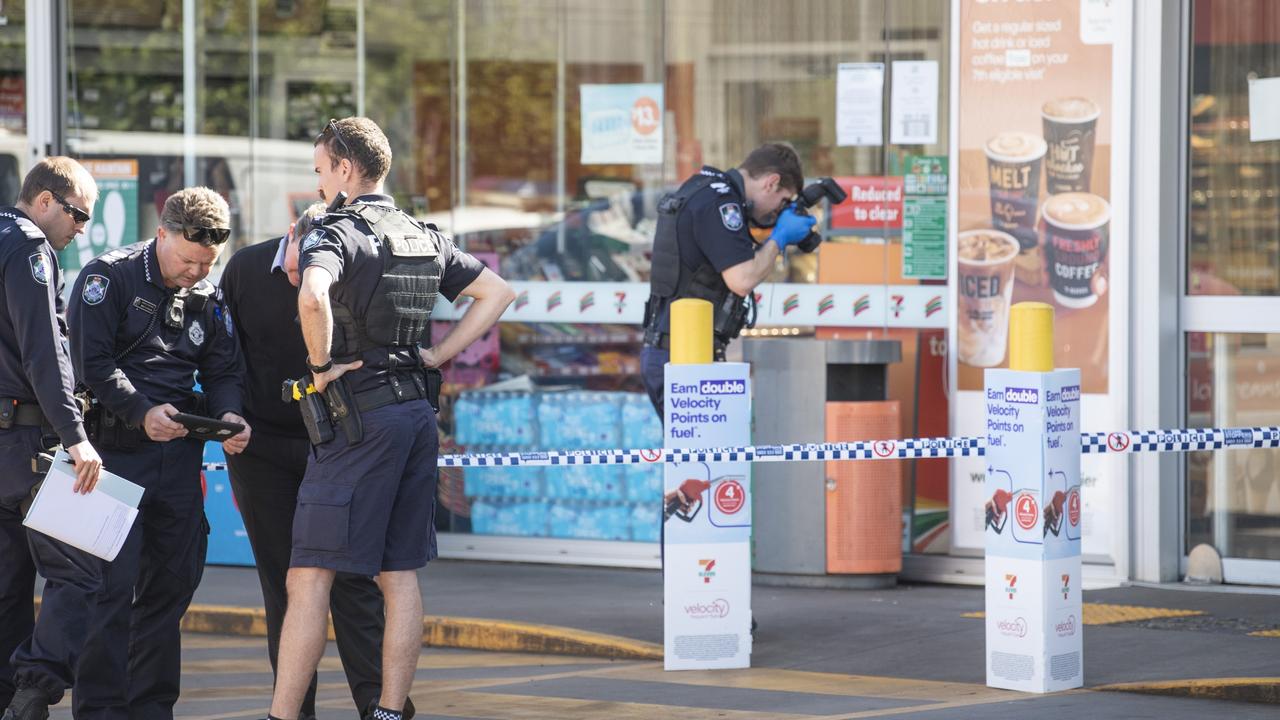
{"x": 97, "y": 523}
{"x": 859, "y": 104}
{"x": 913, "y": 106}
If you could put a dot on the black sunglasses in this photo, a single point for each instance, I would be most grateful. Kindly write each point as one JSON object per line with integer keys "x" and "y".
{"x": 80, "y": 216}
{"x": 206, "y": 236}
{"x": 333, "y": 128}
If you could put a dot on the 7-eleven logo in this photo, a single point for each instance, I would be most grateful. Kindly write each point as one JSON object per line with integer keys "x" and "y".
{"x": 1011, "y": 584}
{"x": 897, "y": 304}
{"x": 708, "y": 570}
{"x": 1066, "y": 585}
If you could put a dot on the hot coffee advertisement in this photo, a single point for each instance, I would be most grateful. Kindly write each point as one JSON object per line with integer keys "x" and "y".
{"x": 1041, "y": 153}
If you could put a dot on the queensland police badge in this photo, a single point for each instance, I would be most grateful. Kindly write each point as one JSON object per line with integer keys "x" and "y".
{"x": 95, "y": 289}
{"x": 731, "y": 215}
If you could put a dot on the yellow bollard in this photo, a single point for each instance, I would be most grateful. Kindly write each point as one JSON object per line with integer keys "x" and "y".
{"x": 1031, "y": 337}
{"x": 690, "y": 332}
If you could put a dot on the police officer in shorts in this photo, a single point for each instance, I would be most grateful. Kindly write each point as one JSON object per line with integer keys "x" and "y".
{"x": 145, "y": 327}
{"x": 370, "y": 277}
{"x": 259, "y": 285}
{"x": 703, "y": 248}
{"x": 37, "y": 409}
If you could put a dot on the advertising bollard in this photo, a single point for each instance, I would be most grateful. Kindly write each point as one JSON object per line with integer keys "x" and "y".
{"x": 1034, "y": 629}
{"x": 706, "y": 505}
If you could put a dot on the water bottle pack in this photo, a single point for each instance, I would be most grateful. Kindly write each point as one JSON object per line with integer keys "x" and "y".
{"x": 503, "y": 482}
{"x": 590, "y": 521}
{"x": 599, "y": 502}
{"x": 584, "y": 482}
{"x": 580, "y": 420}
{"x": 496, "y": 517}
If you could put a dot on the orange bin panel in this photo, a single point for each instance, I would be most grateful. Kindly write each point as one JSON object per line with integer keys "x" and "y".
{"x": 864, "y": 498}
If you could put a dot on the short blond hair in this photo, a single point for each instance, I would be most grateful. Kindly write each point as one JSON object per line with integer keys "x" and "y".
{"x": 61, "y": 176}
{"x": 308, "y": 219}
{"x": 195, "y": 207}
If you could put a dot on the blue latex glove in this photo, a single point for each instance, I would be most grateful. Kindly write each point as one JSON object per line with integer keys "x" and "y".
{"x": 791, "y": 228}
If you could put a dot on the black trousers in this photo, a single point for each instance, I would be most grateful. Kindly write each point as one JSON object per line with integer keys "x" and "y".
{"x": 265, "y": 480}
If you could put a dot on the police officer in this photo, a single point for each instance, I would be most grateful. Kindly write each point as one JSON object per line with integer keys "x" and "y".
{"x": 703, "y": 248}
{"x": 259, "y": 285}
{"x": 36, "y": 383}
{"x": 370, "y": 277}
{"x": 145, "y": 327}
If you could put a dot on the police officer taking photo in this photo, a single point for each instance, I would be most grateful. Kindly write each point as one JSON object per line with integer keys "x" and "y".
{"x": 704, "y": 249}
{"x": 37, "y": 409}
{"x": 370, "y": 278}
{"x": 145, "y": 327}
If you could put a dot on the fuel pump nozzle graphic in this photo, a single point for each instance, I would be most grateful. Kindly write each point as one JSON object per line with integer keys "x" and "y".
{"x": 686, "y": 501}
{"x": 1053, "y": 512}
{"x": 998, "y": 510}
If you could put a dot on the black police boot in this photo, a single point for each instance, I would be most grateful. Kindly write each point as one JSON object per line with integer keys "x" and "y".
{"x": 407, "y": 713}
{"x": 28, "y": 704}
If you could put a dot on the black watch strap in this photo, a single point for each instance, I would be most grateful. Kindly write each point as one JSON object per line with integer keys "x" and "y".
{"x": 326, "y": 367}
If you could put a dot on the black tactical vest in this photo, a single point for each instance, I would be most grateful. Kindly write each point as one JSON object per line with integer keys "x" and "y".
{"x": 400, "y": 309}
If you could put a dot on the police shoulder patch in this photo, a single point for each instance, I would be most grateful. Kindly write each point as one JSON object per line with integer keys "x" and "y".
{"x": 40, "y": 270}
{"x": 311, "y": 240}
{"x": 731, "y": 216}
{"x": 95, "y": 289}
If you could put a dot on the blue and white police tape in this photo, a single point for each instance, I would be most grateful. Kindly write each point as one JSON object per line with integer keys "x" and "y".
{"x": 1131, "y": 441}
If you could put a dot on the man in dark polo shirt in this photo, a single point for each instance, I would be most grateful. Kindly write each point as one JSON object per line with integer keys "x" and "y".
{"x": 260, "y": 285}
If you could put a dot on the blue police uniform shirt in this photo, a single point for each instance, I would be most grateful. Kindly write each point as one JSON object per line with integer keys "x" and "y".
{"x": 346, "y": 250}
{"x": 712, "y": 226}
{"x": 119, "y": 299}
{"x": 34, "y": 361}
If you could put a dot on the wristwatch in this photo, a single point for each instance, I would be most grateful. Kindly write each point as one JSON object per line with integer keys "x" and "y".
{"x": 317, "y": 369}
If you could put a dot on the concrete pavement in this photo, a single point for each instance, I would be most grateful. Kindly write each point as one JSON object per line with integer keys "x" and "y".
{"x": 1151, "y": 639}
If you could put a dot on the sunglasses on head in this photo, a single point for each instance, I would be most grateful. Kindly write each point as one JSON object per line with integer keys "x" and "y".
{"x": 80, "y": 216}
{"x": 206, "y": 236}
{"x": 333, "y": 128}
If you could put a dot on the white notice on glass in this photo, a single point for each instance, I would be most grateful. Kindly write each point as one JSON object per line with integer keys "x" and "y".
{"x": 1264, "y": 109}
{"x": 859, "y": 104}
{"x": 913, "y": 103}
{"x": 97, "y": 523}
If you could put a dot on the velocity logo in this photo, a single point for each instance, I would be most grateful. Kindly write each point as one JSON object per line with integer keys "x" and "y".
{"x": 717, "y": 608}
{"x": 791, "y": 303}
{"x": 1013, "y": 628}
{"x": 1011, "y": 584}
{"x": 587, "y": 301}
{"x": 861, "y": 305}
{"x": 522, "y": 299}
{"x": 826, "y": 304}
{"x": 553, "y": 301}
{"x": 933, "y": 306}
{"x": 708, "y": 570}
{"x": 1067, "y": 627}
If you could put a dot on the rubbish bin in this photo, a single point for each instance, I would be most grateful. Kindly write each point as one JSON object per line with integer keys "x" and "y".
{"x": 833, "y": 524}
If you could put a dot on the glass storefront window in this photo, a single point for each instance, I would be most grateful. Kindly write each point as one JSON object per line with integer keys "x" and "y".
{"x": 1233, "y": 497}
{"x": 1234, "y": 244}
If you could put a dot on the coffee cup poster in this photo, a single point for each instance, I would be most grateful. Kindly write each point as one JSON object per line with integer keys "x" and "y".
{"x": 1036, "y": 218}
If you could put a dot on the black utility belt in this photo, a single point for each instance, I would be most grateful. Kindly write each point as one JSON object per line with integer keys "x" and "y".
{"x": 398, "y": 388}
{"x": 18, "y": 412}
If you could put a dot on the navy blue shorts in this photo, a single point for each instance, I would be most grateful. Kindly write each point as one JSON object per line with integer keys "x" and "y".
{"x": 371, "y": 507}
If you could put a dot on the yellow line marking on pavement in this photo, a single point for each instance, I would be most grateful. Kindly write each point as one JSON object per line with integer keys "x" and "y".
{"x": 452, "y": 661}
{"x": 812, "y": 682}
{"x": 448, "y": 631}
{"x": 523, "y": 707}
{"x": 1266, "y": 633}
{"x": 215, "y": 642}
{"x": 1107, "y": 614}
{"x": 1005, "y": 696}
{"x": 1239, "y": 689}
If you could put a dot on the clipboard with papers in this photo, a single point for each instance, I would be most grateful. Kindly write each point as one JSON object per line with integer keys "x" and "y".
{"x": 96, "y": 523}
